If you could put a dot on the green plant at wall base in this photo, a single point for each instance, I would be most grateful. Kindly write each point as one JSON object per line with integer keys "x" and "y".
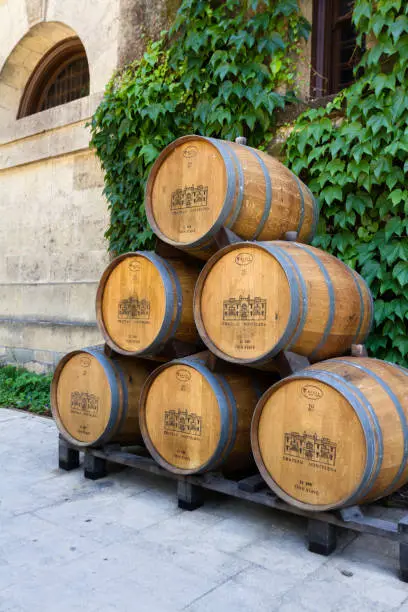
{"x": 358, "y": 166}
{"x": 219, "y": 72}
{"x": 20, "y": 388}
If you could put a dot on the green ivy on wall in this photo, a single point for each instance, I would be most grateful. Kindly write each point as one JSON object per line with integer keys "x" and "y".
{"x": 353, "y": 154}
{"x": 222, "y": 70}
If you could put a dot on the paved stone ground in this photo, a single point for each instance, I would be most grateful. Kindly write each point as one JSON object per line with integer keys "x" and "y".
{"x": 121, "y": 544}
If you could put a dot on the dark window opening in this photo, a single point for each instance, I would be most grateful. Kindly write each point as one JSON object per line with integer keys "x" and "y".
{"x": 61, "y": 76}
{"x": 335, "y": 52}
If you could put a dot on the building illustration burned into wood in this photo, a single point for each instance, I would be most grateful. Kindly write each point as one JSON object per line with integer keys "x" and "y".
{"x": 182, "y": 421}
{"x": 133, "y": 308}
{"x": 244, "y": 309}
{"x": 310, "y": 447}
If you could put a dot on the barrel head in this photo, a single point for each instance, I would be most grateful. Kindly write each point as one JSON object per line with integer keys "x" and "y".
{"x": 243, "y": 303}
{"x": 309, "y": 443}
{"x": 81, "y": 398}
{"x": 186, "y": 190}
{"x": 132, "y": 303}
{"x": 181, "y": 418}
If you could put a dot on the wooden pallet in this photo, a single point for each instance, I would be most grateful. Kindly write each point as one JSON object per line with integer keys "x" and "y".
{"x": 322, "y": 526}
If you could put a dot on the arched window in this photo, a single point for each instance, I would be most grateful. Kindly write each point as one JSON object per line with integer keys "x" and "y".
{"x": 60, "y": 76}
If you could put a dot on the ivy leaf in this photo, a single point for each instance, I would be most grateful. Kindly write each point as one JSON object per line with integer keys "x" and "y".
{"x": 396, "y": 196}
{"x": 132, "y": 144}
{"x": 400, "y": 272}
{"x": 241, "y": 39}
{"x": 362, "y": 9}
{"x": 352, "y": 130}
{"x": 371, "y": 270}
{"x": 272, "y": 44}
{"x": 354, "y": 202}
{"x": 382, "y": 81}
{"x": 332, "y": 193}
{"x": 394, "y": 176}
{"x": 286, "y": 8}
{"x": 379, "y": 311}
{"x": 393, "y": 226}
{"x": 250, "y": 119}
{"x": 401, "y": 342}
{"x": 149, "y": 153}
{"x": 196, "y": 40}
{"x": 399, "y": 26}
{"x": 390, "y": 252}
{"x": 224, "y": 69}
{"x": 399, "y": 103}
{"x": 153, "y": 111}
{"x": 226, "y": 89}
{"x": 378, "y": 23}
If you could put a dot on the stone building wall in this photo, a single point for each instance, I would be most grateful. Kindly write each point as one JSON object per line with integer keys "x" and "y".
{"x": 53, "y": 214}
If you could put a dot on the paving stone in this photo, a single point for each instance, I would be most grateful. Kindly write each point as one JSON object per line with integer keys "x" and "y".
{"x": 249, "y": 591}
{"x": 121, "y": 543}
{"x": 285, "y": 550}
{"x": 329, "y": 594}
{"x": 373, "y": 586}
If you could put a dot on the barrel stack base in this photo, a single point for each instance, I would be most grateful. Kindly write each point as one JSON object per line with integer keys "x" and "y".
{"x": 403, "y": 550}
{"x": 94, "y": 467}
{"x": 68, "y": 457}
{"x": 403, "y": 559}
{"x": 322, "y": 526}
{"x": 189, "y": 496}
{"x": 321, "y": 537}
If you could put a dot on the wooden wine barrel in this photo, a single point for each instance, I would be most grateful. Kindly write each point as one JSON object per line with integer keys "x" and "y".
{"x": 197, "y": 185}
{"x": 143, "y": 301}
{"x": 334, "y": 434}
{"x": 195, "y": 420}
{"x": 253, "y": 300}
{"x": 95, "y": 399}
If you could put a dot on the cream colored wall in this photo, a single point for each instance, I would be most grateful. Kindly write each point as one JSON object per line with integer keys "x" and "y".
{"x": 53, "y": 215}
{"x": 52, "y": 221}
{"x": 304, "y": 64}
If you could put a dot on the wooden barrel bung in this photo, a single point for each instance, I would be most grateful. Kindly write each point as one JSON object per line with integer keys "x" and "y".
{"x": 195, "y": 420}
{"x": 143, "y": 301}
{"x": 253, "y": 300}
{"x": 334, "y": 434}
{"x": 95, "y": 399}
{"x": 198, "y": 185}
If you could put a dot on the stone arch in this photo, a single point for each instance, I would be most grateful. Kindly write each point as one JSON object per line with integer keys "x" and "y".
{"x": 21, "y": 62}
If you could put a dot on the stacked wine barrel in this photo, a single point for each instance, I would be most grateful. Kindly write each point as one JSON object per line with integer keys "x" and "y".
{"x": 330, "y": 435}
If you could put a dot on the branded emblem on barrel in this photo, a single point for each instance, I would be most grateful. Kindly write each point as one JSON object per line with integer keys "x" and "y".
{"x": 85, "y": 362}
{"x": 183, "y": 375}
{"x": 134, "y": 266}
{"x": 190, "y": 151}
{"x": 311, "y": 392}
{"x": 244, "y": 259}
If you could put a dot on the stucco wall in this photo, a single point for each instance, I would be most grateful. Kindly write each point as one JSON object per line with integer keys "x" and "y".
{"x": 53, "y": 215}
{"x": 53, "y": 218}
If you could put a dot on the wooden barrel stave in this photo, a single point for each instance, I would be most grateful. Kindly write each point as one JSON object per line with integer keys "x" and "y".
{"x": 314, "y": 304}
{"x": 95, "y": 399}
{"x": 222, "y": 405}
{"x": 372, "y": 463}
{"x": 253, "y": 194}
{"x": 387, "y": 402}
{"x": 167, "y": 287}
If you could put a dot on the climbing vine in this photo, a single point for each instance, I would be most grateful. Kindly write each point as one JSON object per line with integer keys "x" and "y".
{"x": 222, "y": 70}
{"x": 353, "y": 154}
